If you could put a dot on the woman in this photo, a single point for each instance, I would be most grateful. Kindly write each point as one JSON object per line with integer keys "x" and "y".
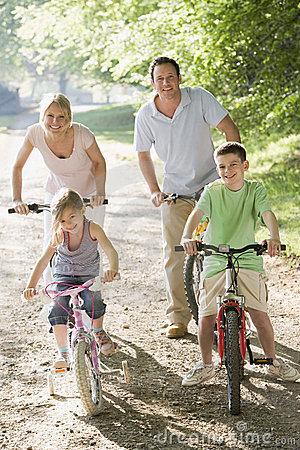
{"x": 72, "y": 156}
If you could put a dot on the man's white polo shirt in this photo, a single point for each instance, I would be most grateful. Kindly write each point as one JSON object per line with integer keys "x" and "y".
{"x": 184, "y": 142}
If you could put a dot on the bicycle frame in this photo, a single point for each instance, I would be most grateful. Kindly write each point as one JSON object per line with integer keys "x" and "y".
{"x": 231, "y": 300}
{"x": 80, "y": 331}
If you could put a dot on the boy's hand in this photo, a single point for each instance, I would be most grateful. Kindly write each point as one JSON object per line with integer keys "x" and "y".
{"x": 274, "y": 247}
{"x": 109, "y": 276}
{"x": 29, "y": 293}
{"x": 190, "y": 246}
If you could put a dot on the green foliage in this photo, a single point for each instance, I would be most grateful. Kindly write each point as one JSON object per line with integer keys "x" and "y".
{"x": 278, "y": 167}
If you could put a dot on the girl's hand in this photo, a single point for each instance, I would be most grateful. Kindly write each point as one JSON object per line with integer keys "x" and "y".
{"x": 109, "y": 276}
{"x": 29, "y": 293}
{"x": 97, "y": 200}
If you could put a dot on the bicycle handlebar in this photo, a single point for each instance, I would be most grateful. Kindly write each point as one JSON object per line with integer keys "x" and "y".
{"x": 38, "y": 208}
{"x": 226, "y": 249}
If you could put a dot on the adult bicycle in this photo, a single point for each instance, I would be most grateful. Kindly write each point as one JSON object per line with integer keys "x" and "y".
{"x": 233, "y": 335}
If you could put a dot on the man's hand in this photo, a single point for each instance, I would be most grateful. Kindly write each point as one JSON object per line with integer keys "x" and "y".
{"x": 97, "y": 200}
{"x": 20, "y": 207}
{"x": 190, "y": 246}
{"x": 157, "y": 198}
{"x": 274, "y": 246}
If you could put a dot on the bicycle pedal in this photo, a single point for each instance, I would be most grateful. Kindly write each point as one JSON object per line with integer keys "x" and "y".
{"x": 62, "y": 370}
{"x": 261, "y": 361}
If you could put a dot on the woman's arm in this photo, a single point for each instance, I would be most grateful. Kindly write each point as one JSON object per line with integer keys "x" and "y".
{"x": 25, "y": 150}
{"x": 37, "y": 271}
{"x": 98, "y": 233}
{"x": 99, "y": 171}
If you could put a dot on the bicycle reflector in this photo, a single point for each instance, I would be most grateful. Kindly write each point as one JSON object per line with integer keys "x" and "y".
{"x": 223, "y": 248}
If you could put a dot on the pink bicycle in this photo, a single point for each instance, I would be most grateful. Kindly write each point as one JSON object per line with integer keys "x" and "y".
{"x": 85, "y": 357}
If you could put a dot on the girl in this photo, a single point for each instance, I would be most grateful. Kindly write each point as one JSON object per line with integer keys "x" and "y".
{"x": 74, "y": 240}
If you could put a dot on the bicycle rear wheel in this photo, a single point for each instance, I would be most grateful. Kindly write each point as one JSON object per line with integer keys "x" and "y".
{"x": 191, "y": 275}
{"x": 88, "y": 381}
{"x": 233, "y": 361}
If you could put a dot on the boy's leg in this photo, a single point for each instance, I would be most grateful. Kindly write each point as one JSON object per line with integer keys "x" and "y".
{"x": 265, "y": 331}
{"x": 206, "y": 337}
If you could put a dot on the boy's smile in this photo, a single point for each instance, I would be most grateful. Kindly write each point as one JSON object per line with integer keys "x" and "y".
{"x": 231, "y": 170}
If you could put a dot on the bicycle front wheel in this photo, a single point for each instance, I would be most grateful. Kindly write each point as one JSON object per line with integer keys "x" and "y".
{"x": 191, "y": 275}
{"x": 233, "y": 361}
{"x": 88, "y": 381}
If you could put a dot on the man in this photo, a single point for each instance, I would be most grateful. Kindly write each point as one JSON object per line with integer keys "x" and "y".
{"x": 177, "y": 124}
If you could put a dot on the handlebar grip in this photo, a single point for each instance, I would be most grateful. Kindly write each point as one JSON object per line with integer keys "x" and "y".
{"x": 87, "y": 201}
{"x": 179, "y": 248}
{"x": 31, "y": 207}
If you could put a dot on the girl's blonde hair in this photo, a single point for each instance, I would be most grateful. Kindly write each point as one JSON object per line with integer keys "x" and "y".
{"x": 62, "y": 101}
{"x": 63, "y": 199}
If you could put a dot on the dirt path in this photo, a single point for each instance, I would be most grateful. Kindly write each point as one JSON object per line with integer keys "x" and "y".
{"x": 153, "y": 411}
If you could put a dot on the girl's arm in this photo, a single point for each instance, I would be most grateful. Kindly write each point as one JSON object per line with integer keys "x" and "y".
{"x": 26, "y": 149}
{"x": 37, "y": 271}
{"x": 99, "y": 171}
{"x": 272, "y": 225}
{"x": 97, "y": 232}
{"x": 194, "y": 218}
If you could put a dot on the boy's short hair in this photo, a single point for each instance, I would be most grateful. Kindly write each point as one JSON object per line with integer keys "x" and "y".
{"x": 231, "y": 147}
{"x": 163, "y": 60}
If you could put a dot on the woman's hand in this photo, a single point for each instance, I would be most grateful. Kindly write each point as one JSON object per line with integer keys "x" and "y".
{"x": 97, "y": 200}
{"x": 158, "y": 198}
{"x": 109, "y": 276}
{"x": 29, "y": 293}
{"x": 20, "y": 207}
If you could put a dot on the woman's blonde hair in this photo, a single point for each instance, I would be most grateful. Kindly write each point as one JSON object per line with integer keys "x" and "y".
{"x": 62, "y": 101}
{"x": 63, "y": 199}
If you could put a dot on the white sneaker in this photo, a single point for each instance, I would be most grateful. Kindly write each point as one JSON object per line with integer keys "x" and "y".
{"x": 280, "y": 369}
{"x": 198, "y": 374}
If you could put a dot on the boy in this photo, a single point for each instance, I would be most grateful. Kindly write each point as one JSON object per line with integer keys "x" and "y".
{"x": 233, "y": 206}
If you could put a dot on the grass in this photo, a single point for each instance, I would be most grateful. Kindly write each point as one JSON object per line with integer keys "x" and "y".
{"x": 111, "y": 122}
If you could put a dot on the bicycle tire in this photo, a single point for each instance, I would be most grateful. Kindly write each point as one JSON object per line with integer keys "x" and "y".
{"x": 192, "y": 269}
{"x": 233, "y": 361}
{"x": 88, "y": 382}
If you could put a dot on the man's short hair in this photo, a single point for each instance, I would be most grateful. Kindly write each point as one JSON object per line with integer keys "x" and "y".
{"x": 163, "y": 60}
{"x": 231, "y": 147}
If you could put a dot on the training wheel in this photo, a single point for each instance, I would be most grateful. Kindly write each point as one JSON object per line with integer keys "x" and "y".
{"x": 50, "y": 383}
{"x": 125, "y": 371}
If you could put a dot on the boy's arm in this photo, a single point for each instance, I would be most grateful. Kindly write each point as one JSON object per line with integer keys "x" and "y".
{"x": 272, "y": 225}
{"x": 194, "y": 218}
{"x": 37, "y": 271}
{"x": 97, "y": 232}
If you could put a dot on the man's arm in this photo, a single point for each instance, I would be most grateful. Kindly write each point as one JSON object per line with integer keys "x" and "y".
{"x": 272, "y": 225}
{"x": 148, "y": 171}
{"x": 229, "y": 128}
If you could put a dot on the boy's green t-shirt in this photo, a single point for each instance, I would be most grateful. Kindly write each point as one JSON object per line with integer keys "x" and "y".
{"x": 232, "y": 221}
